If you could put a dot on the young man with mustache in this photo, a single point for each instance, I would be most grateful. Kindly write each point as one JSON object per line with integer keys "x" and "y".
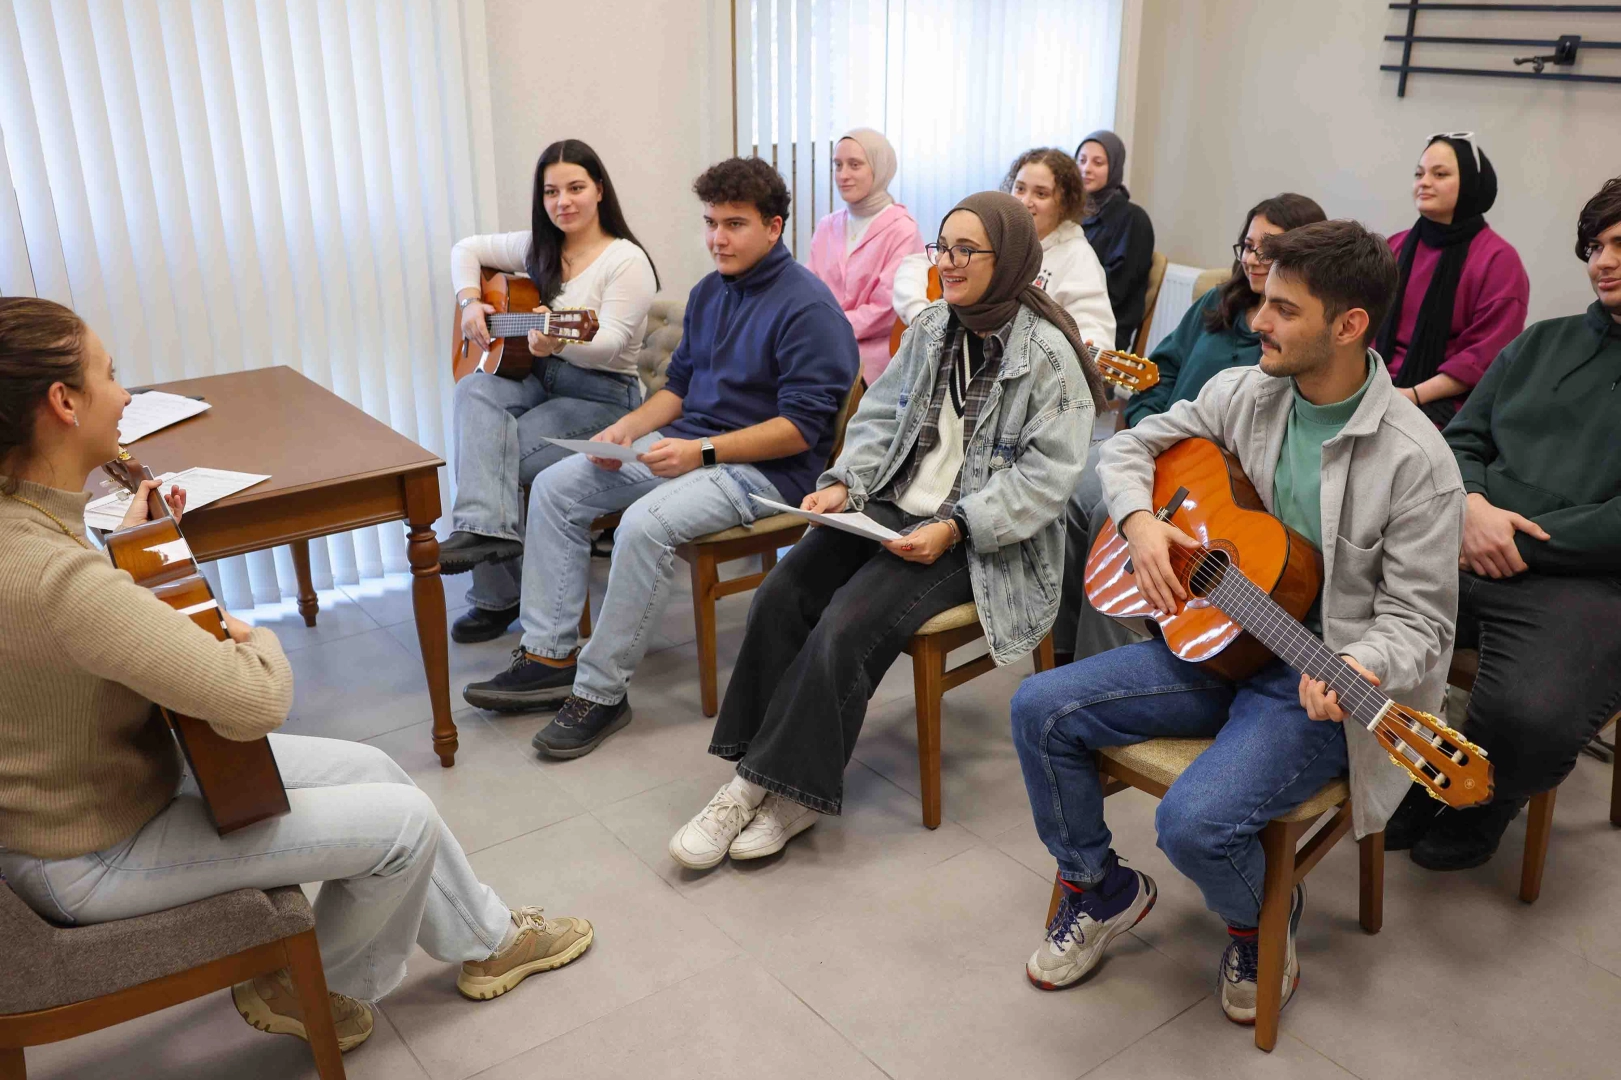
{"x": 1357, "y": 469}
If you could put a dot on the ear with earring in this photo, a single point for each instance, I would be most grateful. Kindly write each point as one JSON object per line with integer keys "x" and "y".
{"x": 75, "y": 421}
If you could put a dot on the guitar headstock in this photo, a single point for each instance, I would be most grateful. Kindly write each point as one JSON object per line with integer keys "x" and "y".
{"x": 1451, "y": 768}
{"x": 125, "y": 471}
{"x": 574, "y": 325}
{"x": 1126, "y": 370}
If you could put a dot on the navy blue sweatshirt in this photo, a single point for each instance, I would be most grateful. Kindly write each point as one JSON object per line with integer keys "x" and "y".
{"x": 1123, "y": 238}
{"x": 769, "y": 342}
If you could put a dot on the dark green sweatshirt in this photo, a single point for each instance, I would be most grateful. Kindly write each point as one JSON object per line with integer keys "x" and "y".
{"x": 1191, "y": 356}
{"x": 1541, "y": 436}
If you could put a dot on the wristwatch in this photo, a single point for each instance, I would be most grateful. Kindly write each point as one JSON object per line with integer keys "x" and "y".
{"x": 708, "y": 450}
{"x": 461, "y": 305}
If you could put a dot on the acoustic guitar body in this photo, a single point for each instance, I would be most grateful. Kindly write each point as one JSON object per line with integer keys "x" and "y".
{"x": 1222, "y": 510}
{"x": 239, "y": 781}
{"x": 508, "y": 357}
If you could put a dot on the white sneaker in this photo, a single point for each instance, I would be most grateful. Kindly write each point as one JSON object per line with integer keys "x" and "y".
{"x": 777, "y": 821}
{"x": 702, "y": 842}
{"x": 1076, "y": 938}
{"x": 1240, "y": 962}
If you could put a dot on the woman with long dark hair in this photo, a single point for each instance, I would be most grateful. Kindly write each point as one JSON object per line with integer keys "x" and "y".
{"x": 99, "y": 820}
{"x": 1214, "y": 335}
{"x": 1463, "y": 293}
{"x": 580, "y": 254}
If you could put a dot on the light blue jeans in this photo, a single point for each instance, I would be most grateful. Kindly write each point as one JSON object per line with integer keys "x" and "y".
{"x": 393, "y": 876}
{"x": 660, "y": 515}
{"x": 1268, "y": 758}
{"x": 501, "y": 427}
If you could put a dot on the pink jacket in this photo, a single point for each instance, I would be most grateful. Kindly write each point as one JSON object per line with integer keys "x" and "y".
{"x": 1489, "y": 312}
{"x": 864, "y": 280}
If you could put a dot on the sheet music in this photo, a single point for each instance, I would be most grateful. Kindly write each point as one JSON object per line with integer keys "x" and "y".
{"x": 154, "y": 410}
{"x": 596, "y": 449}
{"x": 851, "y": 522}
{"x": 202, "y": 486}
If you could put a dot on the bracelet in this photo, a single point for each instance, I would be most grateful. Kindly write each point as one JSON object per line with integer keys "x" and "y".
{"x": 956, "y": 533}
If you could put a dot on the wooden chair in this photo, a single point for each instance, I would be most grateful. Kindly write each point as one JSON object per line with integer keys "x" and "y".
{"x": 929, "y": 649}
{"x": 705, "y": 555}
{"x": 1539, "y": 814}
{"x": 1156, "y": 278}
{"x": 58, "y": 983}
{"x": 1209, "y": 279}
{"x": 1153, "y": 766}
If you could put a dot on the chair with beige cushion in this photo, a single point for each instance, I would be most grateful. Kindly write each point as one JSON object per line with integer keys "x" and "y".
{"x": 1156, "y": 278}
{"x": 1153, "y": 766}
{"x": 56, "y": 983}
{"x": 929, "y": 649}
{"x": 1209, "y": 279}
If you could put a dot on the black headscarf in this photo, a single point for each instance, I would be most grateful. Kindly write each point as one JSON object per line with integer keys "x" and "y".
{"x": 1012, "y": 232}
{"x": 1477, "y": 190}
{"x": 1116, "y": 151}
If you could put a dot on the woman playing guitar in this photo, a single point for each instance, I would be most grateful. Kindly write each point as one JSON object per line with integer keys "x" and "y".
{"x": 97, "y": 820}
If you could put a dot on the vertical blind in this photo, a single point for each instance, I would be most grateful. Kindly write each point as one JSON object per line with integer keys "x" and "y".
{"x": 960, "y": 87}
{"x": 226, "y": 184}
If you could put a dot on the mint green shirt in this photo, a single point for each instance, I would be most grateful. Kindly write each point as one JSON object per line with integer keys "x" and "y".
{"x": 1297, "y": 490}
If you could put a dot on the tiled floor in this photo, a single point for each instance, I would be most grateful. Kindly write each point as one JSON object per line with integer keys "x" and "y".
{"x": 873, "y": 947}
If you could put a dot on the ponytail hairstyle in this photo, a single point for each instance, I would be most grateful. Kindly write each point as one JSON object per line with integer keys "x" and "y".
{"x": 1286, "y": 211}
{"x": 544, "y": 262}
{"x": 40, "y": 346}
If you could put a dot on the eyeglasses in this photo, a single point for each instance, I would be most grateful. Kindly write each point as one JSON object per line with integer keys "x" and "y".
{"x": 1246, "y": 248}
{"x": 960, "y": 255}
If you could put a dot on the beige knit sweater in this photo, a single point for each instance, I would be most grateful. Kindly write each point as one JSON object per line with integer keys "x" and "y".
{"x": 85, "y": 760}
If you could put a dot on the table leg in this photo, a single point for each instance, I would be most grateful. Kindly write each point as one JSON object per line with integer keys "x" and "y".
{"x": 428, "y": 603}
{"x": 308, "y": 602}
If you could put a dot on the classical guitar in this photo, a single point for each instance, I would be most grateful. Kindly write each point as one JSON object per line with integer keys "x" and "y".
{"x": 1249, "y": 583}
{"x": 1123, "y": 369}
{"x": 239, "y": 781}
{"x": 514, "y": 299}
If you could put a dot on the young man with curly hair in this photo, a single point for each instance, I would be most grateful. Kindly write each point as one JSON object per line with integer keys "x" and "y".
{"x": 1539, "y": 590}
{"x": 766, "y": 357}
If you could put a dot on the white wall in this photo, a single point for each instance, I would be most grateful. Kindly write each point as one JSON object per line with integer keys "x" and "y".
{"x": 646, "y": 83}
{"x": 1241, "y": 99}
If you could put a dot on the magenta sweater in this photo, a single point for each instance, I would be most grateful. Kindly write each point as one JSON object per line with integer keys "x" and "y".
{"x": 1489, "y": 311}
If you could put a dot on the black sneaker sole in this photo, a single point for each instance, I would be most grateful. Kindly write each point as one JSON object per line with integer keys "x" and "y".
{"x": 518, "y": 700}
{"x": 453, "y": 563}
{"x": 564, "y": 754}
{"x": 483, "y": 632}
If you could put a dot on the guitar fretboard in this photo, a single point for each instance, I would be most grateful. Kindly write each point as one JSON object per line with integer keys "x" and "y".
{"x": 519, "y": 323}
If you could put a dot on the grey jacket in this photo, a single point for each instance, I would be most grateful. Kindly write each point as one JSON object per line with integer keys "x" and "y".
{"x": 1392, "y": 504}
{"x": 1023, "y": 459}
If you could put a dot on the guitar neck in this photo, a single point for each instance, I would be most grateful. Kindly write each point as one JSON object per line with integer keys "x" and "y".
{"x": 519, "y": 323}
{"x": 1296, "y": 646}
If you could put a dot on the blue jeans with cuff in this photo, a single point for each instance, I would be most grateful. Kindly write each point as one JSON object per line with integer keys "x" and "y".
{"x": 1267, "y": 759}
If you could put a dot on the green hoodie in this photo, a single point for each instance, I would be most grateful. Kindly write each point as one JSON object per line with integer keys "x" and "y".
{"x": 1541, "y": 436}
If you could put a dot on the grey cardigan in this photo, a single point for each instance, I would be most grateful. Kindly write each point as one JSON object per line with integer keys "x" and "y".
{"x": 1022, "y": 460}
{"x": 1392, "y": 503}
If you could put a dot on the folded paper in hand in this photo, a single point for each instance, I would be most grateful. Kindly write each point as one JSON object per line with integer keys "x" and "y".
{"x": 202, "y": 486}
{"x": 596, "y": 449}
{"x": 851, "y": 522}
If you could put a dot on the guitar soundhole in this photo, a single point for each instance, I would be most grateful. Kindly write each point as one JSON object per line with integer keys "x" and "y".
{"x": 1207, "y": 571}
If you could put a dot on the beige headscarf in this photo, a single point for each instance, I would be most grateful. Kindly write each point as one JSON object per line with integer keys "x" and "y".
{"x": 881, "y": 157}
{"x": 1012, "y": 233}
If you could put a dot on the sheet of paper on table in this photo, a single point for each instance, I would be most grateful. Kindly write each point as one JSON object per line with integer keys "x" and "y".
{"x": 154, "y": 410}
{"x": 851, "y": 522}
{"x": 202, "y": 486}
{"x": 596, "y": 449}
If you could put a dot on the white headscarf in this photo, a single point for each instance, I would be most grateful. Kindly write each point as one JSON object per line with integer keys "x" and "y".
{"x": 881, "y": 159}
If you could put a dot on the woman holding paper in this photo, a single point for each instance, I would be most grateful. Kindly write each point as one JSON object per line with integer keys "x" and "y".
{"x": 580, "y": 253}
{"x": 968, "y": 444}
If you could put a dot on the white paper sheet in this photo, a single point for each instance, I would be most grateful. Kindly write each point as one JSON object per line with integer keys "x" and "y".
{"x": 851, "y": 522}
{"x": 154, "y": 410}
{"x": 596, "y": 449}
{"x": 202, "y": 486}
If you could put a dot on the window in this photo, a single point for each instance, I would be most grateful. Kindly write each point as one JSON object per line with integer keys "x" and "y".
{"x": 960, "y": 87}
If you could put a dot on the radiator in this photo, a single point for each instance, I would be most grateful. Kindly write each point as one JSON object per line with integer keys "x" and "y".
{"x": 1175, "y": 297}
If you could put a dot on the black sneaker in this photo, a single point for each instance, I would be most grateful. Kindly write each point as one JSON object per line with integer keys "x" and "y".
{"x": 461, "y": 551}
{"x": 580, "y": 726}
{"x": 481, "y": 624}
{"x": 1463, "y": 839}
{"x": 527, "y": 684}
{"x": 1412, "y": 819}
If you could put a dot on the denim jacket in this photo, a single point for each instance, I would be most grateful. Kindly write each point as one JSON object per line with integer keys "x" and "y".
{"x": 1023, "y": 460}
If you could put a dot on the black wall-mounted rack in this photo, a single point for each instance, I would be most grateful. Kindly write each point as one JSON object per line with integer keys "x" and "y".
{"x": 1565, "y": 48}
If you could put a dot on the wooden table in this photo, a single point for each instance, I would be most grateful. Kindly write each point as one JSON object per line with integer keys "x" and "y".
{"x": 332, "y": 469}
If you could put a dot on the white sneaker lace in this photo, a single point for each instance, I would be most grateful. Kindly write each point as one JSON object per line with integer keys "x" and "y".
{"x": 529, "y": 918}
{"x": 723, "y": 810}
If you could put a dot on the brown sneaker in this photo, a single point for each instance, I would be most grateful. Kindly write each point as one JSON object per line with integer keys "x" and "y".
{"x": 270, "y": 1003}
{"x": 541, "y": 945}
